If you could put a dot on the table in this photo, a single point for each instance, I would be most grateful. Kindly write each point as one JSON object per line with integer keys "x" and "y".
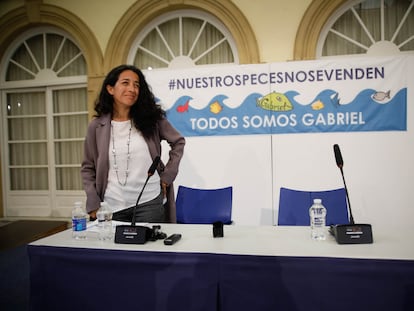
{"x": 251, "y": 268}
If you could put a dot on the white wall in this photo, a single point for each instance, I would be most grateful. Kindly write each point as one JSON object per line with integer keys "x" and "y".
{"x": 243, "y": 162}
{"x": 378, "y": 168}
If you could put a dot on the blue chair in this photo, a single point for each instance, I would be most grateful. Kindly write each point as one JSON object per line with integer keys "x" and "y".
{"x": 204, "y": 206}
{"x": 294, "y": 206}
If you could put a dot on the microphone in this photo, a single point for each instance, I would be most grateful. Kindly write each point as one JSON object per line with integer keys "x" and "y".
{"x": 338, "y": 156}
{"x": 349, "y": 233}
{"x": 131, "y": 234}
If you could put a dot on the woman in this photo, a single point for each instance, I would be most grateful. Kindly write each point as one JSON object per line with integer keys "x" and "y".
{"x": 121, "y": 143}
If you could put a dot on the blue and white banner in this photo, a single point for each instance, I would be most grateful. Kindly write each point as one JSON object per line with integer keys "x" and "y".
{"x": 348, "y": 95}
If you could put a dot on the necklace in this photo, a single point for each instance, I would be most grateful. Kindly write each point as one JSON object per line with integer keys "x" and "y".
{"x": 115, "y": 166}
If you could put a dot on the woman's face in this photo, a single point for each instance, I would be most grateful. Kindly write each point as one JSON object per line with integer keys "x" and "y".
{"x": 126, "y": 89}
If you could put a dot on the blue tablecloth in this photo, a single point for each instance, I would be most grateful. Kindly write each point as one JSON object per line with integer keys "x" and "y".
{"x": 67, "y": 278}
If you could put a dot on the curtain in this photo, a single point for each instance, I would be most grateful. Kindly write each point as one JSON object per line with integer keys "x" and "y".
{"x": 27, "y": 137}
{"x": 69, "y": 126}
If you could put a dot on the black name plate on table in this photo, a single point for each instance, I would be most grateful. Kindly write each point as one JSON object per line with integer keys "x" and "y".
{"x": 127, "y": 234}
{"x": 352, "y": 234}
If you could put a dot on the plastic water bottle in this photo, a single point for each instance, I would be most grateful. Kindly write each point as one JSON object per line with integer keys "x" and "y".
{"x": 104, "y": 216}
{"x": 79, "y": 219}
{"x": 317, "y": 213}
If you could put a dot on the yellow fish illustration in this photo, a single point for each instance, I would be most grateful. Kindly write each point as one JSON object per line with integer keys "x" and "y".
{"x": 318, "y": 105}
{"x": 216, "y": 108}
{"x": 275, "y": 101}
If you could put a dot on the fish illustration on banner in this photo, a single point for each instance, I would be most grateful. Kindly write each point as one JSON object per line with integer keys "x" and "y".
{"x": 275, "y": 102}
{"x": 380, "y": 97}
{"x": 184, "y": 107}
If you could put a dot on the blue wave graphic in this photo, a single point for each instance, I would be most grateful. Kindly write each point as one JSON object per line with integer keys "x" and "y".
{"x": 363, "y": 113}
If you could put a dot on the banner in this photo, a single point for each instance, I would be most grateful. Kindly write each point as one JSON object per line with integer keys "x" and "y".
{"x": 347, "y": 95}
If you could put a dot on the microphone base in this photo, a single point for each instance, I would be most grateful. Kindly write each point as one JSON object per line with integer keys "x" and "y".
{"x": 352, "y": 233}
{"x": 129, "y": 234}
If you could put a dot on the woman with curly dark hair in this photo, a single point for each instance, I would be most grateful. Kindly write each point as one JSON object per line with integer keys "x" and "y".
{"x": 121, "y": 143}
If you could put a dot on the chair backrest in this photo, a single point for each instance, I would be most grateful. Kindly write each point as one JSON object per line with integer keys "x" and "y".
{"x": 294, "y": 206}
{"x": 204, "y": 206}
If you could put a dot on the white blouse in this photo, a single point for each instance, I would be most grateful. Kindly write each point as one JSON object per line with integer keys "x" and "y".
{"x": 123, "y": 190}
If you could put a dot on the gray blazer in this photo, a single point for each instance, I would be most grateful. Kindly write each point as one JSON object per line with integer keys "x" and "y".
{"x": 95, "y": 164}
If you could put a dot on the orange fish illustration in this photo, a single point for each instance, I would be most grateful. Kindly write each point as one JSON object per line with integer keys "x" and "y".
{"x": 318, "y": 105}
{"x": 216, "y": 107}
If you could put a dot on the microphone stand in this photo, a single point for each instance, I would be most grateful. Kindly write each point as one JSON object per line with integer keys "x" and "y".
{"x": 132, "y": 234}
{"x": 139, "y": 197}
{"x": 349, "y": 233}
{"x": 351, "y": 218}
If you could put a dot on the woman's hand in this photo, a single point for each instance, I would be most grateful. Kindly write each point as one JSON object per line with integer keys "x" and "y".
{"x": 164, "y": 188}
{"x": 92, "y": 215}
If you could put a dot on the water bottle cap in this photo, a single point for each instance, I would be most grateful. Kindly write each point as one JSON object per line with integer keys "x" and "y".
{"x": 317, "y": 201}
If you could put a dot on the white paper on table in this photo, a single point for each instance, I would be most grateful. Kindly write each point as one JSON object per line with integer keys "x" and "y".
{"x": 93, "y": 225}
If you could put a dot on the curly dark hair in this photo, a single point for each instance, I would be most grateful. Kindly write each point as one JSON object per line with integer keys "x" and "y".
{"x": 145, "y": 112}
